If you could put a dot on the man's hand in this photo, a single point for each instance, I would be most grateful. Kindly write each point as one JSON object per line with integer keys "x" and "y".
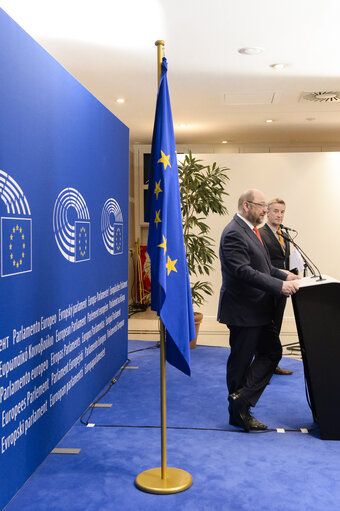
{"x": 292, "y": 276}
{"x": 289, "y": 287}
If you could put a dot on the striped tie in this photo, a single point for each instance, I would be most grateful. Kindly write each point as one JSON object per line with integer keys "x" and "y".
{"x": 256, "y": 231}
{"x": 281, "y": 241}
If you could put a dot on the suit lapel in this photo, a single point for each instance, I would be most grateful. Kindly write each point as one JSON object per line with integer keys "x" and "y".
{"x": 274, "y": 239}
{"x": 252, "y": 236}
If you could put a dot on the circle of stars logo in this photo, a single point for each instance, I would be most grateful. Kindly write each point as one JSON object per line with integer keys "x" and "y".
{"x": 118, "y": 239}
{"x": 17, "y": 246}
{"x": 82, "y": 241}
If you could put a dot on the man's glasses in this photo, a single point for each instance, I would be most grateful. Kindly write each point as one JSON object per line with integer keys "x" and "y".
{"x": 261, "y": 204}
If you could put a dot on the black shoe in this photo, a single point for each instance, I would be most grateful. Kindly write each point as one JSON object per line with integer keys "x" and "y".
{"x": 238, "y": 411}
{"x": 256, "y": 425}
{"x": 240, "y": 415}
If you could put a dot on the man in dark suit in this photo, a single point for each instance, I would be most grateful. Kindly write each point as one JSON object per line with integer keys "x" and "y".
{"x": 279, "y": 252}
{"x": 249, "y": 285}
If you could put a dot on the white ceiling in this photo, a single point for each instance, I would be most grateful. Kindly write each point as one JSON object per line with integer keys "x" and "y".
{"x": 109, "y": 47}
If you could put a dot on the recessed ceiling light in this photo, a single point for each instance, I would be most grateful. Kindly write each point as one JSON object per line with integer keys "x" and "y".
{"x": 120, "y": 100}
{"x": 224, "y": 141}
{"x": 250, "y": 50}
{"x": 279, "y": 66}
{"x": 269, "y": 120}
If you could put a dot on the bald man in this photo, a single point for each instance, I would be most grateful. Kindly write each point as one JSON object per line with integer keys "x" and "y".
{"x": 250, "y": 285}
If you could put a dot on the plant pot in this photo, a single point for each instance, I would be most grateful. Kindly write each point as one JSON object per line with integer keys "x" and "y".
{"x": 198, "y": 320}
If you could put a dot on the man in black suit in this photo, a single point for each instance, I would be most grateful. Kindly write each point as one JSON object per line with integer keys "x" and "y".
{"x": 249, "y": 285}
{"x": 279, "y": 252}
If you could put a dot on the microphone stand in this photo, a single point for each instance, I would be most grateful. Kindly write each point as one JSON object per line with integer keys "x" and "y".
{"x": 308, "y": 263}
{"x": 295, "y": 346}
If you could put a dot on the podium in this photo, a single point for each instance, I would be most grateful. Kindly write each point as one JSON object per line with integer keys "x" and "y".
{"x": 317, "y": 313}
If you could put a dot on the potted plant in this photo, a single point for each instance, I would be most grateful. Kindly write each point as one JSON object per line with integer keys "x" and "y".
{"x": 202, "y": 189}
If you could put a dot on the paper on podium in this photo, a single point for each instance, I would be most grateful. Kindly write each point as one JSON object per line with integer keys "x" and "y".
{"x": 296, "y": 261}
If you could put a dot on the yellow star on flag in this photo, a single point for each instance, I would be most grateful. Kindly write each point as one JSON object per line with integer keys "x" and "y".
{"x": 165, "y": 160}
{"x": 170, "y": 265}
{"x": 157, "y": 219}
{"x": 157, "y": 188}
{"x": 163, "y": 244}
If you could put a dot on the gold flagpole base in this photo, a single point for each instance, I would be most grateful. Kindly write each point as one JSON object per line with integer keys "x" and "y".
{"x": 151, "y": 481}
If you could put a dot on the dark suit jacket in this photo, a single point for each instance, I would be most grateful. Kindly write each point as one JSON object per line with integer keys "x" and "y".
{"x": 278, "y": 258}
{"x": 249, "y": 281}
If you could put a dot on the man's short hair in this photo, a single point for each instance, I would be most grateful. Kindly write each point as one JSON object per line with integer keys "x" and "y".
{"x": 276, "y": 201}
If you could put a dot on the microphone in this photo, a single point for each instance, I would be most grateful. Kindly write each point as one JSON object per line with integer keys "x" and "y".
{"x": 287, "y": 228}
{"x": 308, "y": 262}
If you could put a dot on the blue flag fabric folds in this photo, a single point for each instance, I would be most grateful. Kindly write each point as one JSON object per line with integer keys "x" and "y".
{"x": 170, "y": 287}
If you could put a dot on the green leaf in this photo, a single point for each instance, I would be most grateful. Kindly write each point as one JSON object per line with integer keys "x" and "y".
{"x": 202, "y": 190}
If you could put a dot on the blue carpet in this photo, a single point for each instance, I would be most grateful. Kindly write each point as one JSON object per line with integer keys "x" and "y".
{"x": 231, "y": 470}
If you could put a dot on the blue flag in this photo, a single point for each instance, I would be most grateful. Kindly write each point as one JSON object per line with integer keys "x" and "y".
{"x": 82, "y": 234}
{"x": 170, "y": 287}
{"x": 16, "y": 251}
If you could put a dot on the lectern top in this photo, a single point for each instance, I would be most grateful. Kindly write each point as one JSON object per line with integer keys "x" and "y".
{"x": 314, "y": 281}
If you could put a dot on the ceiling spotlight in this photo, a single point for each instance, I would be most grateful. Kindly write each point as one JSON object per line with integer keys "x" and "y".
{"x": 250, "y": 50}
{"x": 279, "y": 66}
{"x": 120, "y": 100}
{"x": 224, "y": 141}
{"x": 269, "y": 120}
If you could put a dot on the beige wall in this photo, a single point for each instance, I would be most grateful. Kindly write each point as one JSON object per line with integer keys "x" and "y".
{"x": 310, "y": 185}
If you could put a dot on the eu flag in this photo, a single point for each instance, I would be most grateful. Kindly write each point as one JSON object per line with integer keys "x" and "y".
{"x": 118, "y": 235}
{"x": 82, "y": 239}
{"x": 16, "y": 251}
{"x": 170, "y": 287}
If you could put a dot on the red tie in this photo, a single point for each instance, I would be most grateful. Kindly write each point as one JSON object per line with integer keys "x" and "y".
{"x": 256, "y": 231}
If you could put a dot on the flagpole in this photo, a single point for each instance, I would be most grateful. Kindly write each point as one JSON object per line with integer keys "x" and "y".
{"x": 163, "y": 480}
{"x": 160, "y": 45}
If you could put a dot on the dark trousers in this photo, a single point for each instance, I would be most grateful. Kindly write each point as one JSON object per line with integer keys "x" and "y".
{"x": 254, "y": 355}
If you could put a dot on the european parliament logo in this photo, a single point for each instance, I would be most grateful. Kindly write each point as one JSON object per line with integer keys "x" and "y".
{"x": 82, "y": 241}
{"x": 72, "y": 235}
{"x": 112, "y": 227}
{"x": 16, "y": 250}
{"x": 16, "y": 229}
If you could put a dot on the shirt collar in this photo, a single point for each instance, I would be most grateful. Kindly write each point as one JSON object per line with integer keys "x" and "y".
{"x": 274, "y": 229}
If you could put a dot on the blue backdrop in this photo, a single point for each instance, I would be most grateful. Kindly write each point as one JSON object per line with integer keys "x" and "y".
{"x": 64, "y": 252}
